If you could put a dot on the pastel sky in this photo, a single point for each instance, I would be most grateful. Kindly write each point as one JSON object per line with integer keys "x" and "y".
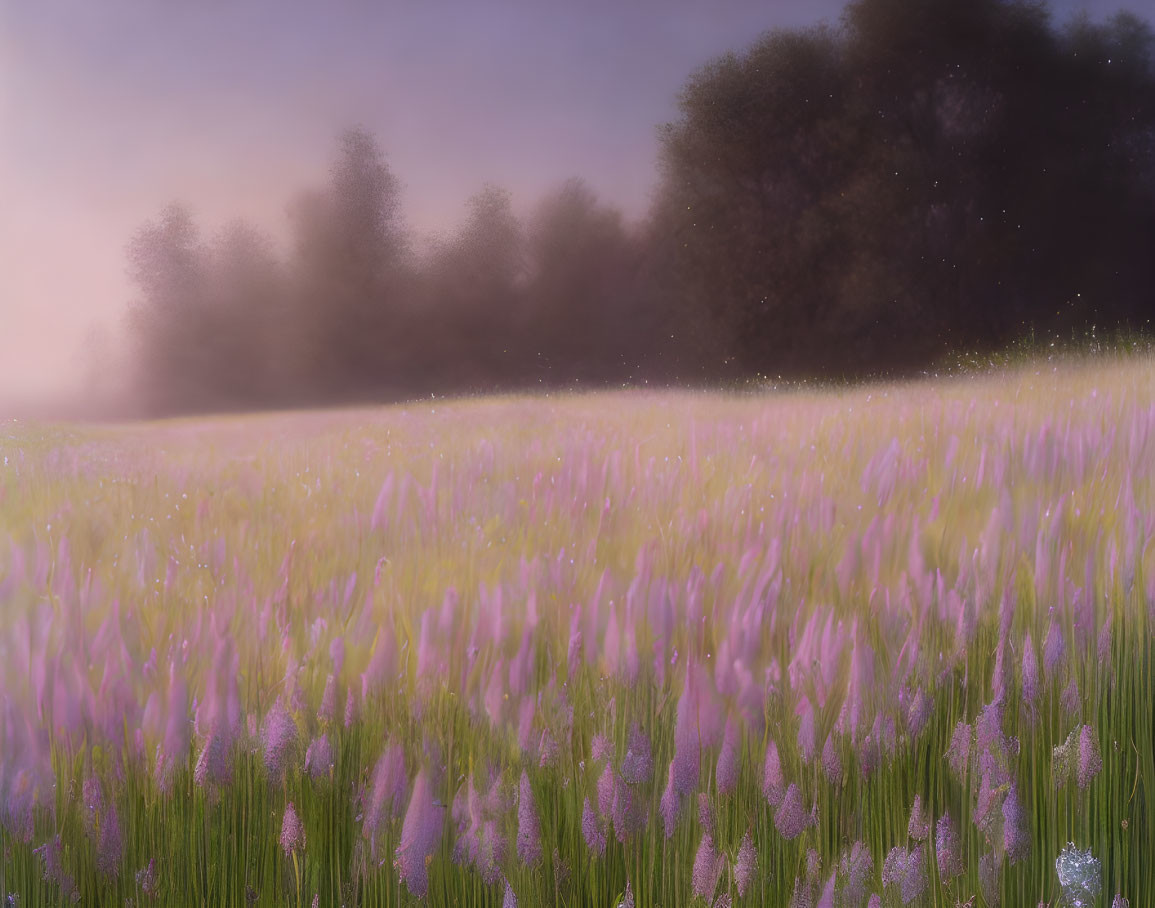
{"x": 109, "y": 109}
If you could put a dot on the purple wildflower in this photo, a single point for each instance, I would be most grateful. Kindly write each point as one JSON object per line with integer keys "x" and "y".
{"x": 382, "y": 664}
{"x": 1016, "y": 835}
{"x": 638, "y": 764}
{"x": 146, "y": 879}
{"x": 856, "y": 867}
{"x": 600, "y": 748}
{"x": 947, "y": 849}
{"x": 1069, "y": 699}
{"x": 509, "y": 900}
{"x": 1090, "y": 760}
{"x": 17, "y": 814}
{"x": 813, "y": 864}
{"x": 826, "y": 899}
{"x": 605, "y": 788}
{"x": 870, "y": 748}
{"x": 420, "y": 834}
{"x": 629, "y": 812}
{"x": 350, "y": 708}
{"x": 919, "y": 826}
{"x": 831, "y": 763}
{"x": 791, "y": 818}
{"x": 744, "y": 865}
{"x": 905, "y": 870}
{"x": 989, "y": 736}
{"x": 1104, "y": 644}
{"x": 490, "y": 852}
{"x": 708, "y": 866}
{"x": 387, "y": 794}
{"x": 52, "y": 854}
{"x": 549, "y": 750}
{"x": 1053, "y": 649}
{"x": 574, "y": 651}
{"x": 914, "y": 880}
{"x": 592, "y": 830}
{"x": 918, "y": 714}
{"x": 292, "y": 831}
{"x": 319, "y": 757}
{"x": 174, "y": 752}
{"x": 328, "y": 710}
{"x": 1119, "y": 902}
{"x": 103, "y": 825}
{"x": 958, "y": 754}
{"x": 726, "y": 771}
{"x": 212, "y": 766}
{"x": 894, "y": 866}
{"x": 687, "y": 742}
{"x": 110, "y": 844}
{"x": 986, "y": 815}
{"x": 705, "y": 813}
{"x": 279, "y": 739}
{"x": 803, "y": 896}
{"x": 491, "y": 848}
{"x": 528, "y": 825}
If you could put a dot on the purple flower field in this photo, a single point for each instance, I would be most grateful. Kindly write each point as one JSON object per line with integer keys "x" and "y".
{"x": 885, "y": 646}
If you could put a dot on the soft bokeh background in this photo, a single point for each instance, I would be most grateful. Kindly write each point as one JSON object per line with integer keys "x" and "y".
{"x": 109, "y": 110}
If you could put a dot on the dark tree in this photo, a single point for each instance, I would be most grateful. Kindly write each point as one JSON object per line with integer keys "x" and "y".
{"x": 934, "y": 174}
{"x": 582, "y": 289}
{"x": 246, "y": 300}
{"x": 351, "y": 261}
{"x": 167, "y": 262}
{"x": 474, "y": 288}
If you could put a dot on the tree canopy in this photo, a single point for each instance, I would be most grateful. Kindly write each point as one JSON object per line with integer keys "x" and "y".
{"x": 931, "y": 174}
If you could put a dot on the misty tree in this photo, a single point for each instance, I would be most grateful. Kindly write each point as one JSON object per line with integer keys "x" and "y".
{"x": 742, "y": 171}
{"x": 209, "y": 323}
{"x": 167, "y": 263}
{"x": 933, "y": 174}
{"x": 582, "y": 290}
{"x": 351, "y": 261}
{"x": 474, "y": 289}
{"x": 247, "y": 311}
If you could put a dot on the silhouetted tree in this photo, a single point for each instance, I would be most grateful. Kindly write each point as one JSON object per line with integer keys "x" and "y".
{"x": 351, "y": 259}
{"x": 474, "y": 287}
{"x": 582, "y": 288}
{"x": 167, "y": 262}
{"x": 247, "y": 311}
{"x": 935, "y": 173}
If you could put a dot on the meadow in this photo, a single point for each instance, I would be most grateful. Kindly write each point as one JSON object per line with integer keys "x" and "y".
{"x": 885, "y": 645}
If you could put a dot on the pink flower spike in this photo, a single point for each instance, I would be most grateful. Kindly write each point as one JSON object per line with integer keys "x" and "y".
{"x": 292, "y": 832}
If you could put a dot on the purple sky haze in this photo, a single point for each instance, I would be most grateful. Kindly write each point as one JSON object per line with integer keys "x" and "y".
{"x": 111, "y": 108}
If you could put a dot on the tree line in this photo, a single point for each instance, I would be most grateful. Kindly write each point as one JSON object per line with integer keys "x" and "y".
{"x": 926, "y": 176}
